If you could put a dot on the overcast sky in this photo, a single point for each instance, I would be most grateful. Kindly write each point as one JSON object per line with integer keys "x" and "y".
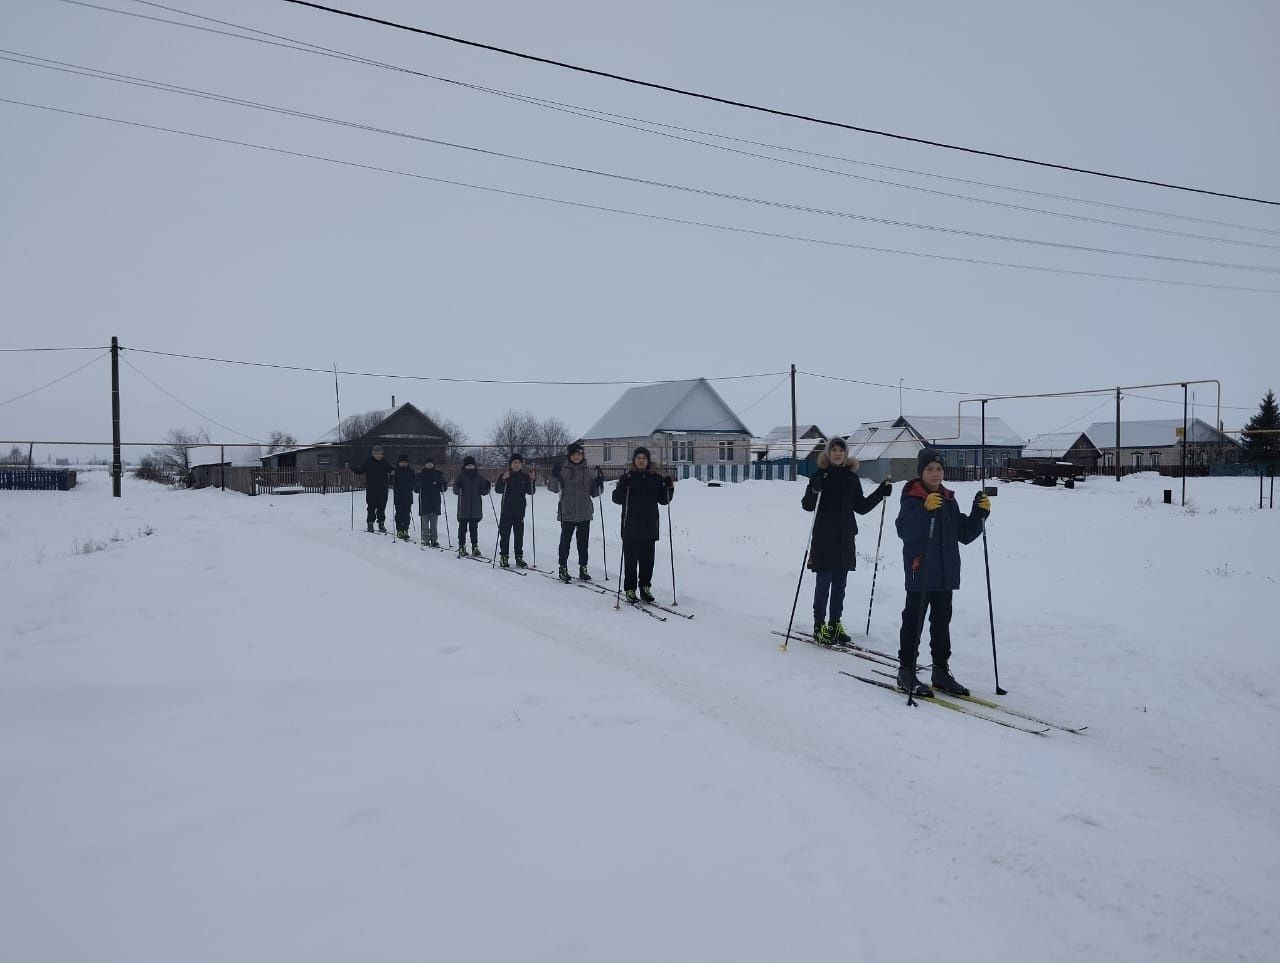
{"x": 188, "y": 246}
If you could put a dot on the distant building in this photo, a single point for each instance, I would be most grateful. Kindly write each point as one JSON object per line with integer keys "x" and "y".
{"x": 774, "y": 451}
{"x": 959, "y": 440}
{"x": 884, "y": 452}
{"x": 686, "y": 425}
{"x": 1152, "y": 445}
{"x": 404, "y": 429}
{"x": 1075, "y": 447}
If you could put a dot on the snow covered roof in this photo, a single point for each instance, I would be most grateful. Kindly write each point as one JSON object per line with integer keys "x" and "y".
{"x": 237, "y": 456}
{"x": 783, "y": 433}
{"x": 872, "y": 444}
{"x": 1161, "y": 433}
{"x": 943, "y": 429}
{"x": 1051, "y": 445}
{"x": 667, "y": 406}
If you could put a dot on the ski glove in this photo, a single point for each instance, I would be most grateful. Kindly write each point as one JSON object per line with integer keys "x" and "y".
{"x": 982, "y": 502}
{"x": 933, "y": 502}
{"x": 815, "y": 483}
{"x": 555, "y": 469}
{"x": 886, "y": 487}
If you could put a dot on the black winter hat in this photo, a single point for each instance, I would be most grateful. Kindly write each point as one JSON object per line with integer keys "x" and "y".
{"x": 926, "y": 457}
{"x": 642, "y": 450}
{"x": 403, "y": 457}
{"x": 469, "y": 460}
{"x": 514, "y": 458}
{"x": 429, "y": 461}
{"x": 575, "y": 448}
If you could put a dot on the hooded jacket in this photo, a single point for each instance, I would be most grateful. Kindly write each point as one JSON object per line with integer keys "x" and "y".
{"x": 377, "y": 477}
{"x": 403, "y": 481}
{"x": 513, "y": 491}
{"x": 431, "y": 484}
{"x": 933, "y": 565}
{"x": 577, "y": 485}
{"x": 837, "y": 502}
{"x": 640, "y": 493}
{"x": 471, "y": 487}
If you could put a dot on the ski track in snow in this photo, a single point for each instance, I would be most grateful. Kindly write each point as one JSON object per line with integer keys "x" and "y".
{"x": 256, "y": 734}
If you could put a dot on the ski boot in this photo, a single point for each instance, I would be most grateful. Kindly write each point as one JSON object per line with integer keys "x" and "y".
{"x": 521, "y": 563}
{"x": 504, "y": 561}
{"x": 907, "y": 682}
{"x": 564, "y": 574}
{"x": 819, "y": 627}
{"x": 631, "y": 596}
{"x": 583, "y": 574}
{"x": 475, "y": 551}
{"x": 462, "y": 551}
{"x": 646, "y": 594}
{"x": 369, "y": 528}
{"x": 402, "y": 535}
{"x": 382, "y": 528}
{"x": 826, "y": 635}
{"x": 944, "y": 681}
{"x": 838, "y": 633}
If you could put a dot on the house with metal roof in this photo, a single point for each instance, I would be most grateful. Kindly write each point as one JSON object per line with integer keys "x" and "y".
{"x": 1151, "y": 445}
{"x": 403, "y": 429}
{"x": 1075, "y": 447}
{"x": 884, "y": 452}
{"x": 960, "y": 440}
{"x": 686, "y": 425}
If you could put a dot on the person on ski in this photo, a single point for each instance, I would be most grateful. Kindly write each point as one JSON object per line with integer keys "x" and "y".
{"x": 640, "y": 491}
{"x": 402, "y": 482}
{"x": 431, "y": 484}
{"x": 377, "y": 482}
{"x": 932, "y": 529}
{"x": 835, "y": 493}
{"x": 513, "y": 485}
{"x": 577, "y": 485}
{"x": 471, "y": 487}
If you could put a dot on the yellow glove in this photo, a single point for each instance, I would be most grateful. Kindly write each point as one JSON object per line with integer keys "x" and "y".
{"x": 933, "y": 502}
{"x": 984, "y": 503}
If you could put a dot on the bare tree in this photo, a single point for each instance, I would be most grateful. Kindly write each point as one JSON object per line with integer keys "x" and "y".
{"x": 455, "y": 447}
{"x": 279, "y": 441}
{"x": 515, "y": 432}
{"x": 174, "y": 457}
{"x": 16, "y": 456}
{"x": 553, "y": 438}
{"x": 355, "y": 427}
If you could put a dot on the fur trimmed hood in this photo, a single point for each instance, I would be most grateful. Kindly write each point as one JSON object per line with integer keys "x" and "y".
{"x": 824, "y": 456}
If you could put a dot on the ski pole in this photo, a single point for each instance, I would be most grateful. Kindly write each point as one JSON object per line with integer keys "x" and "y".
{"x": 626, "y": 503}
{"x": 991, "y": 613}
{"x": 800, "y": 581}
{"x": 444, "y": 503}
{"x": 924, "y": 598}
{"x": 604, "y": 542}
{"x": 493, "y": 562}
{"x": 876, "y": 570}
{"x": 672, "y": 546}
{"x": 533, "y": 520}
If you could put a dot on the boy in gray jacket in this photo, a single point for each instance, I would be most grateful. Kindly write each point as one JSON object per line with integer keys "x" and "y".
{"x": 577, "y": 485}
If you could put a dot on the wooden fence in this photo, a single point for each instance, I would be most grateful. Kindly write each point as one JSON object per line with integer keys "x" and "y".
{"x": 37, "y": 479}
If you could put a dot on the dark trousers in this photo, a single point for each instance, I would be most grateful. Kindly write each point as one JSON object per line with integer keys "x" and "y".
{"x": 830, "y": 582}
{"x": 568, "y": 530}
{"x": 377, "y": 505}
{"x": 403, "y": 512}
{"x": 505, "y": 528}
{"x": 637, "y": 558}
{"x": 465, "y": 524}
{"x": 938, "y": 607}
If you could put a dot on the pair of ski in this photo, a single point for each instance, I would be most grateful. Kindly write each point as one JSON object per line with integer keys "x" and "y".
{"x": 966, "y": 704}
{"x": 648, "y": 608}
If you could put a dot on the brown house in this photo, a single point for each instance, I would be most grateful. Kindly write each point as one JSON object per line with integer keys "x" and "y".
{"x": 401, "y": 430}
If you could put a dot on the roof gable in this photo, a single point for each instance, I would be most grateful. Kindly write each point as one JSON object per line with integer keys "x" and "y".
{"x": 686, "y": 406}
{"x": 943, "y": 429}
{"x": 1159, "y": 433}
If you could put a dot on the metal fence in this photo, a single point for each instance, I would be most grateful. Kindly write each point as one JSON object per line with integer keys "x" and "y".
{"x": 37, "y": 479}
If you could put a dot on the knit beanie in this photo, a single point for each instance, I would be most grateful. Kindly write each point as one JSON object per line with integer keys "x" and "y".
{"x": 927, "y": 457}
{"x": 642, "y": 450}
{"x": 469, "y": 460}
{"x": 575, "y": 448}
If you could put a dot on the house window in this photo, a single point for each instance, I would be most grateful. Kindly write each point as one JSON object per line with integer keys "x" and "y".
{"x": 1155, "y": 459}
{"x": 324, "y": 461}
{"x": 962, "y": 458}
{"x": 1137, "y": 459}
{"x": 606, "y": 453}
{"x": 681, "y": 451}
{"x": 1108, "y": 459}
{"x": 726, "y": 451}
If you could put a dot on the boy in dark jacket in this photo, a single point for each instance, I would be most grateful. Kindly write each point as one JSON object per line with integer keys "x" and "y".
{"x": 640, "y": 491}
{"x": 402, "y": 482}
{"x": 377, "y": 472}
{"x": 835, "y": 491}
{"x": 513, "y": 485}
{"x": 471, "y": 487}
{"x": 577, "y": 485}
{"x": 431, "y": 485}
{"x": 932, "y": 529}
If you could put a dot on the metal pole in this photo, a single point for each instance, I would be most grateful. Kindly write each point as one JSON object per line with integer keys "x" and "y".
{"x": 222, "y": 466}
{"x": 875, "y": 572}
{"x": 991, "y": 611}
{"x": 982, "y": 454}
{"x": 794, "y": 446}
{"x": 117, "y": 468}
{"x": 1184, "y": 446}
{"x": 1117, "y": 434}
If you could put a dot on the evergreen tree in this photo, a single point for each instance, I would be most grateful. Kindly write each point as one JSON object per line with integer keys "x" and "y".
{"x": 1264, "y": 448}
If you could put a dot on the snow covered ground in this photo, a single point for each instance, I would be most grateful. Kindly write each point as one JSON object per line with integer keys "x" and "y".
{"x": 255, "y": 735}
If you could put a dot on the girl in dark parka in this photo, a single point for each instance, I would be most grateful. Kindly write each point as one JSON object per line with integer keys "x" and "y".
{"x": 932, "y": 566}
{"x": 640, "y": 491}
{"x": 835, "y": 491}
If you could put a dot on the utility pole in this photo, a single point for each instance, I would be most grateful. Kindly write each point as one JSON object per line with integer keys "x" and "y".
{"x": 1117, "y": 434}
{"x": 794, "y": 446}
{"x": 1184, "y": 445}
{"x": 117, "y": 468}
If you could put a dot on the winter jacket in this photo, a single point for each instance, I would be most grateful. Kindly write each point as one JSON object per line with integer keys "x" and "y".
{"x": 470, "y": 487}
{"x": 834, "y": 528}
{"x": 577, "y": 485}
{"x": 377, "y": 472}
{"x": 403, "y": 483}
{"x": 430, "y": 483}
{"x": 640, "y": 493}
{"x": 513, "y": 490}
{"x": 934, "y": 565}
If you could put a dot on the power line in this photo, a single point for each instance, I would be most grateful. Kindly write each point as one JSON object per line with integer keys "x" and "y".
{"x": 28, "y": 394}
{"x": 777, "y": 112}
{"x": 188, "y": 407}
{"x": 601, "y": 116}
{"x": 648, "y": 216}
{"x": 98, "y": 74}
{"x": 101, "y": 347}
{"x": 878, "y": 384}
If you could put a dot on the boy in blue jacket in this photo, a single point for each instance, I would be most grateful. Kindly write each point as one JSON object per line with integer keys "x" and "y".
{"x": 932, "y": 529}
